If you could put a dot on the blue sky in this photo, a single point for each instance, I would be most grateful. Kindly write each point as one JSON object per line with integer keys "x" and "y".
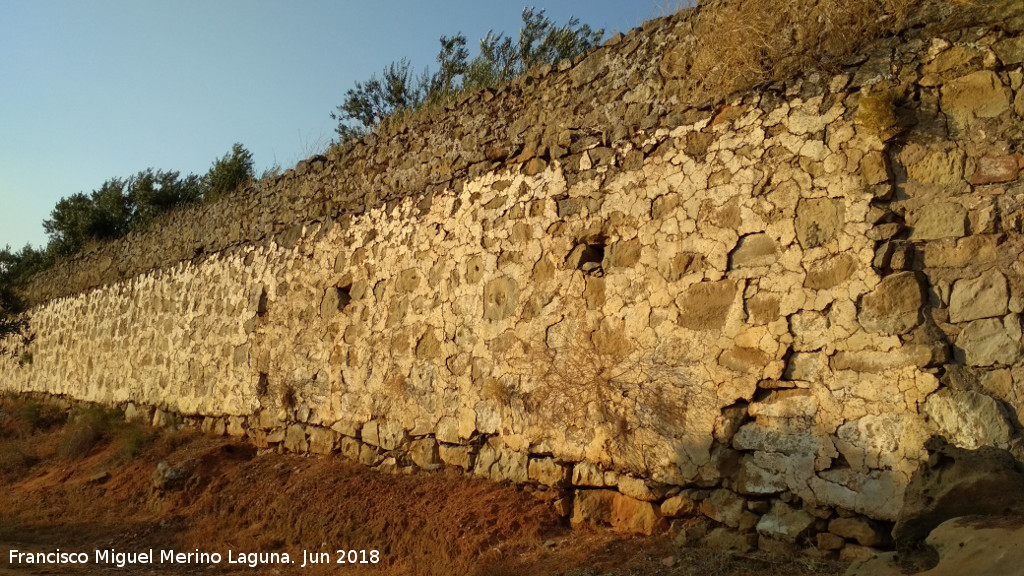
{"x": 91, "y": 90}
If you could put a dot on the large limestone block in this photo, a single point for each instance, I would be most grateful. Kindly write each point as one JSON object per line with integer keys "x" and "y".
{"x": 753, "y": 251}
{"x": 587, "y": 473}
{"x": 875, "y": 494}
{"x": 386, "y": 434}
{"x": 625, "y": 514}
{"x": 982, "y": 545}
{"x": 830, "y": 272}
{"x": 939, "y": 220}
{"x": 990, "y": 342}
{"x": 978, "y": 545}
{"x": 501, "y": 298}
{"x": 982, "y": 297}
{"x": 977, "y": 95}
{"x": 763, "y": 473}
{"x": 633, "y": 516}
{"x": 455, "y": 455}
{"x": 955, "y": 482}
{"x": 969, "y": 419}
{"x": 706, "y": 305}
{"x": 295, "y": 439}
{"x": 549, "y": 472}
{"x": 321, "y": 440}
{"x": 593, "y": 506}
{"x": 894, "y": 306}
{"x": 818, "y": 220}
{"x": 882, "y": 441}
{"x": 679, "y": 505}
{"x": 425, "y": 453}
{"x": 500, "y": 463}
{"x": 755, "y": 436}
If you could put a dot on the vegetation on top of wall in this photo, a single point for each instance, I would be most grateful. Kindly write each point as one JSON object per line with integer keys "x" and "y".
{"x": 701, "y": 55}
{"x": 769, "y": 40}
{"x": 117, "y": 207}
{"x": 15, "y": 269}
{"x": 500, "y": 60}
{"x": 121, "y": 205}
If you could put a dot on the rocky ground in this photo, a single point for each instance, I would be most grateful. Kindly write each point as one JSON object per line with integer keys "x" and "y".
{"x": 99, "y": 484}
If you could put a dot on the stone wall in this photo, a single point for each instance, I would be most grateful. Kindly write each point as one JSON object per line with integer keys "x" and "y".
{"x": 760, "y": 309}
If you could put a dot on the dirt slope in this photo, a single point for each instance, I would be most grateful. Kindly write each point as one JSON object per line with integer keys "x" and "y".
{"x": 93, "y": 485}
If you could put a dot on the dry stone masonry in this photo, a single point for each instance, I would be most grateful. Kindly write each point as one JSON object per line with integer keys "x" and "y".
{"x": 758, "y": 309}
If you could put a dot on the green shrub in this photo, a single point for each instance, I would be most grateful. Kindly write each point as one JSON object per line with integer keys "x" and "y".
{"x": 131, "y": 440}
{"x": 33, "y": 416}
{"x": 86, "y": 428}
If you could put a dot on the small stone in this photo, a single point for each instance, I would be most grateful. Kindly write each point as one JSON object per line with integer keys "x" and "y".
{"x": 679, "y": 505}
{"x": 501, "y": 298}
{"x": 724, "y": 506}
{"x": 368, "y": 455}
{"x": 828, "y": 542}
{"x": 874, "y": 169}
{"x": 563, "y": 507}
{"x": 864, "y": 532}
{"x": 855, "y": 552}
{"x": 995, "y": 169}
{"x": 706, "y": 305}
{"x": 534, "y": 166}
{"x": 831, "y": 272}
{"x": 784, "y": 523}
{"x": 723, "y": 538}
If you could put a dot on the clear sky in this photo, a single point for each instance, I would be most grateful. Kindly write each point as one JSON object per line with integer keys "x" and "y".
{"x": 91, "y": 90}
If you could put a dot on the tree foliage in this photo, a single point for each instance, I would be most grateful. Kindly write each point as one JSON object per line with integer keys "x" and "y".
{"x": 15, "y": 268}
{"x": 229, "y": 173}
{"x": 154, "y": 192}
{"x": 124, "y": 204}
{"x": 117, "y": 207}
{"x": 500, "y": 60}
